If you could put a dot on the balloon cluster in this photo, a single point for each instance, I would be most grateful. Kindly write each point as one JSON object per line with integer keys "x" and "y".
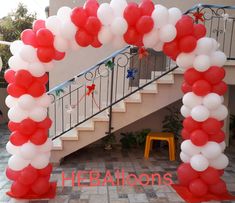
{"x": 119, "y": 23}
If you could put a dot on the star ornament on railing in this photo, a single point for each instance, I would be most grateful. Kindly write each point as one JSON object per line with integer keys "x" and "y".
{"x": 198, "y": 16}
{"x": 142, "y": 53}
{"x": 91, "y": 89}
{"x": 131, "y": 74}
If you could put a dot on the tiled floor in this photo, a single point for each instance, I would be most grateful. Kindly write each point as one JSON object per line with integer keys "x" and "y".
{"x": 96, "y": 159}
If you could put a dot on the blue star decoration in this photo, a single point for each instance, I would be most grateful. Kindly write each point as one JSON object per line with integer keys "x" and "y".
{"x": 131, "y": 73}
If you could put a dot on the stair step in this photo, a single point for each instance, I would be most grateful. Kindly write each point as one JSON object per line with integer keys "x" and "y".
{"x": 134, "y": 98}
{"x": 178, "y": 71}
{"x": 72, "y": 135}
{"x": 119, "y": 107}
{"x": 57, "y": 144}
{"x": 101, "y": 117}
{"x": 150, "y": 89}
{"x": 86, "y": 126}
{"x": 166, "y": 79}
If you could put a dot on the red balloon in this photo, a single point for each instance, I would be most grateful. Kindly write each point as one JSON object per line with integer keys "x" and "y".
{"x": 43, "y": 79}
{"x": 79, "y": 16}
{"x": 44, "y": 37}
{"x": 201, "y": 88}
{"x": 218, "y": 137}
{"x": 220, "y": 88}
{"x": 221, "y": 172}
{"x": 171, "y": 48}
{"x": 185, "y": 134}
{"x": 187, "y": 44}
{"x": 45, "y": 54}
{"x": 219, "y": 188}
{"x": 198, "y": 188}
{"x": 199, "y": 137}
{"x": 18, "y": 139}
{"x": 59, "y": 55}
{"x": 41, "y": 186}
{"x": 144, "y": 25}
{"x": 15, "y": 90}
{"x": 91, "y": 7}
{"x": 184, "y": 26}
{"x": 9, "y": 76}
{"x": 39, "y": 137}
{"x": 46, "y": 171}
{"x": 186, "y": 174}
{"x": 192, "y": 75}
{"x": 96, "y": 43}
{"x": 36, "y": 89}
{"x": 19, "y": 190}
{"x": 45, "y": 124}
{"x": 210, "y": 176}
{"x": 131, "y": 36}
{"x": 28, "y": 175}
{"x": 12, "y": 175}
{"x": 146, "y": 7}
{"x": 23, "y": 78}
{"x": 139, "y": 42}
{"x": 83, "y": 38}
{"x": 199, "y": 31}
{"x": 186, "y": 88}
{"x": 211, "y": 126}
{"x": 28, "y": 36}
{"x": 93, "y": 25}
{"x": 190, "y": 124}
{"x": 214, "y": 75}
{"x": 132, "y": 13}
{"x": 38, "y": 24}
{"x": 27, "y": 127}
{"x": 13, "y": 126}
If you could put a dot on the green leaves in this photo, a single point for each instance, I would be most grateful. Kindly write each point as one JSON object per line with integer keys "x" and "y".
{"x": 110, "y": 64}
{"x": 58, "y": 92}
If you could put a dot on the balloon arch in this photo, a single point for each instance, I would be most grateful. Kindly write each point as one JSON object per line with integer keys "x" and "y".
{"x": 145, "y": 25}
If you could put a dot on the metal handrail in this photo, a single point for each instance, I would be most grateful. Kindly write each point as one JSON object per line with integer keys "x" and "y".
{"x": 197, "y": 6}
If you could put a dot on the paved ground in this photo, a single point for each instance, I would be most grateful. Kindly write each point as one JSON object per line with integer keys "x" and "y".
{"x": 130, "y": 161}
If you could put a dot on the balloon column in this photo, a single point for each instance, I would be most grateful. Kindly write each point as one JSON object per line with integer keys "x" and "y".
{"x": 119, "y": 23}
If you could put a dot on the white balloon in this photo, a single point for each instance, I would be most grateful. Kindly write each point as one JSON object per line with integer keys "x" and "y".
{"x": 222, "y": 99}
{"x": 28, "y": 151}
{"x": 189, "y": 148}
{"x": 40, "y": 161}
{"x": 118, "y": 42}
{"x": 44, "y": 100}
{"x": 68, "y": 30}
{"x": 160, "y": 16}
{"x": 28, "y": 53}
{"x": 220, "y": 162}
{"x": 222, "y": 146}
{"x": 17, "y": 63}
{"x": 38, "y": 114}
{"x": 199, "y": 162}
{"x": 218, "y": 58}
{"x": 220, "y": 113}
{"x": 185, "y": 61}
{"x": 216, "y": 45}
{"x": 191, "y": 100}
{"x": 175, "y": 15}
{"x": 16, "y": 46}
{"x": 105, "y": 14}
{"x": 167, "y": 33}
{"x": 211, "y": 150}
{"x": 159, "y": 46}
{"x": 184, "y": 157}
{"x": 119, "y": 26}
{"x": 200, "y": 113}
{"x": 105, "y": 35}
{"x": 53, "y": 24}
{"x": 36, "y": 69}
{"x": 47, "y": 146}
{"x": 16, "y": 114}
{"x": 17, "y": 163}
{"x": 26, "y": 102}
{"x": 185, "y": 111}
{"x": 11, "y": 101}
{"x": 12, "y": 149}
{"x": 205, "y": 46}
{"x": 212, "y": 101}
{"x": 64, "y": 13}
{"x": 61, "y": 44}
{"x": 151, "y": 39}
{"x": 118, "y": 7}
{"x": 202, "y": 63}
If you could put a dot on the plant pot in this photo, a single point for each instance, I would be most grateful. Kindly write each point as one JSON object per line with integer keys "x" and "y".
{"x": 108, "y": 147}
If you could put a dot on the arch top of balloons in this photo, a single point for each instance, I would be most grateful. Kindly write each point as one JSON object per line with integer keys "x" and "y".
{"x": 118, "y": 23}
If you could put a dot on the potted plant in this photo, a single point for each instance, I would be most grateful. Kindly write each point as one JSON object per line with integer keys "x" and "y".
{"x": 128, "y": 140}
{"x": 141, "y": 137}
{"x": 109, "y": 141}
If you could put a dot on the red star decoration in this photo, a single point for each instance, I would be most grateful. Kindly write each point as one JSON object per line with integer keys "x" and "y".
{"x": 91, "y": 89}
{"x": 143, "y": 52}
{"x": 199, "y": 16}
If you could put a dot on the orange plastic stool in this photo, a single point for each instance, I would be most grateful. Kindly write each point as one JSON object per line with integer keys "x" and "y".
{"x": 169, "y": 137}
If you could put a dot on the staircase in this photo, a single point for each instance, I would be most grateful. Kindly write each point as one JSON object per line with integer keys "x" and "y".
{"x": 115, "y": 93}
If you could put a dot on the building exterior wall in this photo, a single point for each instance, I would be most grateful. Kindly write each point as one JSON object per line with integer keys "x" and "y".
{"x": 3, "y": 107}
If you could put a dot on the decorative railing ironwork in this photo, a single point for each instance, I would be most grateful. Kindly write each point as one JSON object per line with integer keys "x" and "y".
{"x": 97, "y": 90}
